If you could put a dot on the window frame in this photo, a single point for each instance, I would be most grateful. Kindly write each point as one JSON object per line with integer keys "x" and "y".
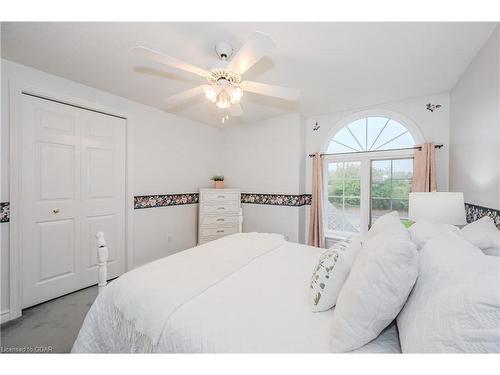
{"x": 409, "y": 124}
{"x": 365, "y": 159}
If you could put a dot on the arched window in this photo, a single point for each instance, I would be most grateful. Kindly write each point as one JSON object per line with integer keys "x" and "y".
{"x": 369, "y": 172}
{"x": 371, "y": 134}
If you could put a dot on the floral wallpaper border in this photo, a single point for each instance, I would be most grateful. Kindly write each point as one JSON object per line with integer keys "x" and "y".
{"x": 162, "y": 200}
{"x": 277, "y": 199}
{"x": 4, "y": 212}
{"x": 473, "y": 213}
{"x": 165, "y": 200}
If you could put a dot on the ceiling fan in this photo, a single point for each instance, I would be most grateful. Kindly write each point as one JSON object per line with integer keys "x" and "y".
{"x": 225, "y": 86}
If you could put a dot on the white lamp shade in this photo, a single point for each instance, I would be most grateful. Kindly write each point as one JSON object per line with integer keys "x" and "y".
{"x": 443, "y": 207}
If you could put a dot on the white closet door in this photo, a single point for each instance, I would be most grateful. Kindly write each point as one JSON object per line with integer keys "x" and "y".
{"x": 50, "y": 199}
{"x": 62, "y": 179}
{"x": 103, "y": 192}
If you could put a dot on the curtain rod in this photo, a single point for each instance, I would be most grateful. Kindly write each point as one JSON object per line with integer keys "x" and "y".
{"x": 365, "y": 152}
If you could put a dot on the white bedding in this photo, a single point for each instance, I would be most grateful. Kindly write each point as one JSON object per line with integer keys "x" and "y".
{"x": 493, "y": 251}
{"x": 260, "y": 305}
{"x": 455, "y": 304}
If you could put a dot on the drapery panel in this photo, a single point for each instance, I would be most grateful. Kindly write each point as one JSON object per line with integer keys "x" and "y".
{"x": 424, "y": 169}
{"x": 316, "y": 235}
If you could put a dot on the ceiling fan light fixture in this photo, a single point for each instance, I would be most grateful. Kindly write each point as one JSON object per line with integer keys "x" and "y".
{"x": 236, "y": 95}
{"x": 223, "y": 100}
{"x": 210, "y": 94}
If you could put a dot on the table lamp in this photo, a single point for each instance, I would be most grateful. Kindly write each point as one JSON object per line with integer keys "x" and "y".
{"x": 443, "y": 207}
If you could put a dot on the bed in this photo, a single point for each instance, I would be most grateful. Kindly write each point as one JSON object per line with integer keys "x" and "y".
{"x": 245, "y": 293}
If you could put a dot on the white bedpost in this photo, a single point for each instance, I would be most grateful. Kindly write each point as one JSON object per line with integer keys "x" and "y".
{"x": 102, "y": 261}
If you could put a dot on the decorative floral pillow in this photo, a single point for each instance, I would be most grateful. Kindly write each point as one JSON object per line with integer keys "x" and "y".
{"x": 331, "y": 272}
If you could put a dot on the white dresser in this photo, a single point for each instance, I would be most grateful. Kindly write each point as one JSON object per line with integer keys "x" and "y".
{"x": 219, "y": 214}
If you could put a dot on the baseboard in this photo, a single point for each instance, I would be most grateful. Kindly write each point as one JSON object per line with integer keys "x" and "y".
{"x": 4, "y": 316}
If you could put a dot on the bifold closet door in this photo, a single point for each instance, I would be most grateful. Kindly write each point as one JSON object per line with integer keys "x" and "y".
{"x": 72, "y": 164}
{"x": 102, "y": 192}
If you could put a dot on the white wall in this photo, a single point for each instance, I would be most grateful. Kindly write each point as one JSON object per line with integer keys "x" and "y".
{"x": 263, "y": 157}
{"x": 171, "y": 155}
{"x": 475, "y": 128}
{"x": 266, "y": 157}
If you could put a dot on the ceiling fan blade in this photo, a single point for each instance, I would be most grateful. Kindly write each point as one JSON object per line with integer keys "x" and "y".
{"x": 252, "y": 51}
{"x": 270, "y": 90}
{"x": 236, "y": 110}
{"x": 183, "y": 96}
{"x": 169, "y": 60}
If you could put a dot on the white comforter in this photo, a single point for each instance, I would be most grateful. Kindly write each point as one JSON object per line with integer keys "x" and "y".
{"x": 243, "y": 293}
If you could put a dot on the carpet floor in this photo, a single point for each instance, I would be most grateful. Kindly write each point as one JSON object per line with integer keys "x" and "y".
{"x": 50, "y": 327}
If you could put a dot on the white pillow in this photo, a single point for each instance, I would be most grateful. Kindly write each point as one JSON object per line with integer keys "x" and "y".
{"x": 424, "y": 230}
{"x": 482, "y": 233}
{"x": 331, "y": 272}
{"x": 455, "y": 304}
{"x": 383, "y": 223}
{"x": 375, "y": 291}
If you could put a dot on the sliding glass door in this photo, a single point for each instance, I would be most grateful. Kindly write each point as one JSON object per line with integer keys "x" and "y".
{"x": 360, "y": 188}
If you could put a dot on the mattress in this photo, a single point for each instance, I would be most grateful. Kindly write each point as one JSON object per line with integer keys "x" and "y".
{"x": 263, "y": 307}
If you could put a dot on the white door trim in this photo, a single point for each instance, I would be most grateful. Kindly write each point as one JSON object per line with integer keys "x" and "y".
{"x": 4, "y": 316}
{"x": 16, "y": 90}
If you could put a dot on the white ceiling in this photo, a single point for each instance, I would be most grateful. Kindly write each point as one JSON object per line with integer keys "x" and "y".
{"x": 336, "y": 66}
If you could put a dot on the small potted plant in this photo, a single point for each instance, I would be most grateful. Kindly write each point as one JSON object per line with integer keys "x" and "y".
{"x": 219, "y": 181}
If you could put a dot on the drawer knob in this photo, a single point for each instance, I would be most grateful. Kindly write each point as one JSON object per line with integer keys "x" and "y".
{"x": 55, "y": 210}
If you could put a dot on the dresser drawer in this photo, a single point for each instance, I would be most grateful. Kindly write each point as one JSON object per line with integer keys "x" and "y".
{"x": 216, "y": 197}
{"x": 219, "y": 220}
{"x": 218, "y": 232}
{"x": 220, "y": 208}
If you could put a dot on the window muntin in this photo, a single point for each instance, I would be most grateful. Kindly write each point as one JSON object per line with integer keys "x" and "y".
{"x": 371, "y": 134}
{"x": 344, "y": 196}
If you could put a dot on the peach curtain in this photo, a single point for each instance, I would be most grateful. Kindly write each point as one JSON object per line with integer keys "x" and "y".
{"x": 424, "y": 169}
{"x": 316, "y": 236}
